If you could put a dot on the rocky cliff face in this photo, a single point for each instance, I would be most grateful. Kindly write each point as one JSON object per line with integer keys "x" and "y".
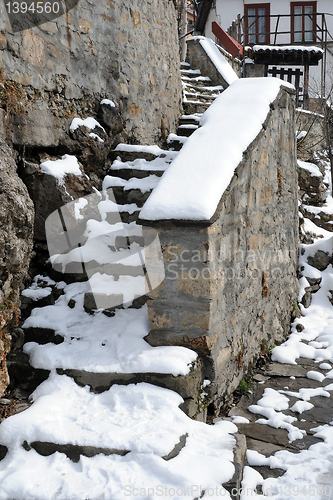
{"x": 16, "y": 234}
{"x": 105, "y": 49}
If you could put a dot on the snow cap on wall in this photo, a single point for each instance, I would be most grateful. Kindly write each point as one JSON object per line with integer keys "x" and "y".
{"x": 192, "y": 187}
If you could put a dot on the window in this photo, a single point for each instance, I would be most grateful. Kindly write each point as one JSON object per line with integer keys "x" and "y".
{"x": 257, "y": 25}
{"x": 303, "y": 21}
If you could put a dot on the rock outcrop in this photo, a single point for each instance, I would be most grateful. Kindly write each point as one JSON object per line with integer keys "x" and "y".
{"x": 16, "y": 234}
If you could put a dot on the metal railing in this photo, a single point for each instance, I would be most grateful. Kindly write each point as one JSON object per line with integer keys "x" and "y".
{"x": 242, "y": 29}
{"x": 278, "y": 31}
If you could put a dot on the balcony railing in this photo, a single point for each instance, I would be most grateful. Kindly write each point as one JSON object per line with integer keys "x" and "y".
{"x": 280, "y": 32}
{"x": 284, "y": 30}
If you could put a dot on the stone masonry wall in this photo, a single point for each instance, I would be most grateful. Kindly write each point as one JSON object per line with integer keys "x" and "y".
{"x": 106, "y": 49}
{"x": 231, "y": 285}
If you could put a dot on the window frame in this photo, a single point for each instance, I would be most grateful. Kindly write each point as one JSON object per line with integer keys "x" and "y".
{"x": 257, "y": 6}
{"x": 303, "y": 4}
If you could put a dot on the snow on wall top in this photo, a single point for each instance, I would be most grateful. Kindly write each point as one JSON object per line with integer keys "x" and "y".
{"x": 221, "y": 64}
{"x": 194, "y": 183}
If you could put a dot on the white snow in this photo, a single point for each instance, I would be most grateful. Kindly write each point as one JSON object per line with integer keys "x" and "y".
{"x": 194, "y": 183}
{"x": 99, "y": 344}
{"x": 240, "y": 420}
{"x": 287, "y": 48}
{"x": 95, "y": 136}
{"x": 301, "y": 406}
{"x": 313, "y": 375}
{"x": 143, "y": 419}
{"x": 130, "y": 148}
{"x": 144, "y": 185}
{"x": 68, "y": 164}
{"x": 301, "y": 135}
{"x": 108, "y": 102}
{"x": 89, "y": 122}
{"x": 311, "y": 167}
{"x": 160, "y": 163}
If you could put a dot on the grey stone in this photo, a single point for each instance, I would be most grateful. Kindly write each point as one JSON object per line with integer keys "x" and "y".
{"x": 42, "y": 335}
{"x": 4, "y": 401}
{"x": 73, "y": 452}
{"x": 3, "y": 451}
{"x": 177, "y": 448}
{"x": 284, "y": 370}
{"x": 264, "y": 433}
{"x": 320, "y": 260}
{"x": 262, "y": 447}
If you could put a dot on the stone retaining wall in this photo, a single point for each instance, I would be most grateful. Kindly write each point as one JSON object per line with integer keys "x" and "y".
{"x": 63, "y": 68}
{"x": 231, "y": 285}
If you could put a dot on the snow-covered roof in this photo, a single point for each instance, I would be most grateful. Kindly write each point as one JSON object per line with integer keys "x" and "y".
{"x": 286, "y": 48}
{"x": 192, "y": 187}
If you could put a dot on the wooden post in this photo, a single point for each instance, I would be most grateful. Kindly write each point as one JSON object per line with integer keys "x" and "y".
{"x": 306, "y": 87}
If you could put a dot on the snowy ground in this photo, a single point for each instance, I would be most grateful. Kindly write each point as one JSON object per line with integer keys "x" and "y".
{"x": 309, "y": 473}
{"x": 150, "y": 448}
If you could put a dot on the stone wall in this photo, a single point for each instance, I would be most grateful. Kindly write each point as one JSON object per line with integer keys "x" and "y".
{"x": 231, "y": 285}
{"x": 105, "y": 49}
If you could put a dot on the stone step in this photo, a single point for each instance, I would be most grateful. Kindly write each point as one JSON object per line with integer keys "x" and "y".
{"x": 185, "y": 385}
{"x": 186, "y": 130}
{"x": 184, "y": 65}
{"x": 190, "y": 119}
{"x": 115, "y": 269}
{"x": 109, "y": 303}
{"x": 200, "y": 80}
{"x": 123, "y": 196}
{"x": 190, "y": 73}
{"x": 72, "y": 451}
{"x": 199, "y": 97}
{"x": 127, "y": 156}
{"x": 42, "y": 335}
{"x": 213, "y": 90}
{"x": 195, "y": 107}
{"x": 75, "y": 451}
{"x": 22, "y": 375}
{"x": 176, "y": 142}
{"x": 128, "y": 173}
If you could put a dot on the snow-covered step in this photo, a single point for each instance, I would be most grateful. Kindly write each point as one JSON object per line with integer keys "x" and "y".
{"x": 199, "y": 80}
{"x": 185, "y": 385}
{"x": 209, "y": 90}
{"x": 134, "y": 190}
{"x": 176, "y": 142}
{"x": 190, "y": 73}
{"x": 193, "y": 106}
{"x": 190, "y": 119}
{"x": 131, "y": 152}
{"x": 152, "y": 443}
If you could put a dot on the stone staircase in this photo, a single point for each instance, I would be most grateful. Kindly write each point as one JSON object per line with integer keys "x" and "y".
{"x": 65, "y": 319}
